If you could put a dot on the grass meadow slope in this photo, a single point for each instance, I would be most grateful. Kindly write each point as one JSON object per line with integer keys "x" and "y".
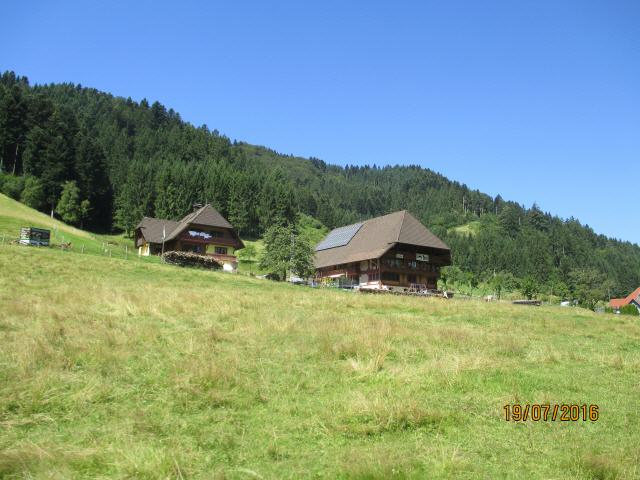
{"x": 125, "y": 369}
{"x": 14, "y": 215}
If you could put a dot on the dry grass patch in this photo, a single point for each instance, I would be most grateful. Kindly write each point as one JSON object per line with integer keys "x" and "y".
{"x": 24, "y": 460}
{"x": 379, "y": 413}
{"x": 600, "y": 467}
{"x": 366, "y": 344}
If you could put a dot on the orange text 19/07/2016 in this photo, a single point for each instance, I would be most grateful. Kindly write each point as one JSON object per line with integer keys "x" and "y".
{"x": 549, "y": 412}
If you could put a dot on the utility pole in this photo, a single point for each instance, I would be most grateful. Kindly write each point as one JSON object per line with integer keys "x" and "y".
{"x": 164, "y": 234}
{"x": 293, "y": 248}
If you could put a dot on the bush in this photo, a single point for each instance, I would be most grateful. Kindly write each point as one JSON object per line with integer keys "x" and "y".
{"x": 11, "y": 185}
{"x": 530, "y": 288}
{"x": 188, "y": 259}
{"x": 629, "y": 310}
{"x": 33, "y": 193}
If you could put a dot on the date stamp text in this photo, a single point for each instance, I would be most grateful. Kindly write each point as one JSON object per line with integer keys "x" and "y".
{"x": 550, "y": 412}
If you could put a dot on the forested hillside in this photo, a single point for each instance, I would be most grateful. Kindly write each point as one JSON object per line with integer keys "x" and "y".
{"x": 105, "y": 161}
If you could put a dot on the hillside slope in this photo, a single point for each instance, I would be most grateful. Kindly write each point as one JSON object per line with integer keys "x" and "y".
{"x": 15, "y": 215}
{"x": 130, "y": 159}
{"x": 127, "y": 369}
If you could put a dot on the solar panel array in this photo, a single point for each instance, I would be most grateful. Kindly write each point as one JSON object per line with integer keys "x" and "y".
{"x": 339, "y": 237}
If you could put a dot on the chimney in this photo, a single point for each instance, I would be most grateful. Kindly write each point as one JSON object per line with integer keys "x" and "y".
{"x": 197, "y": 206}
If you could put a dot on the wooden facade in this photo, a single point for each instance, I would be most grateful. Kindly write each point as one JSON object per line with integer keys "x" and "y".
{"x": 402, "y": 267}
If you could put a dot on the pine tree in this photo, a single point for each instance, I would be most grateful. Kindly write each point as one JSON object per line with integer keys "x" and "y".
{"x": 134, "y": 200}
{"x": 13, "y": 110}
{"x": 92, "y": 178}
{"x": 238, "y": 207}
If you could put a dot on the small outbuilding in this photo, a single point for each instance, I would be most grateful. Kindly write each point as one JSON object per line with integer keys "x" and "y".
{"x": 631, "y": 299}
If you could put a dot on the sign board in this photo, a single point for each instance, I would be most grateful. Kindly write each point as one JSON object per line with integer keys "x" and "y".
{"x": 422, "y": 257}
{"x": 38, "y": 237}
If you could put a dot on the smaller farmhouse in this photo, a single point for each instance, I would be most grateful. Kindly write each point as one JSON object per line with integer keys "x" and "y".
{"x": 391, "y": 252}
{"x": 203, "y": 231}
{"x": 631, "y": 299}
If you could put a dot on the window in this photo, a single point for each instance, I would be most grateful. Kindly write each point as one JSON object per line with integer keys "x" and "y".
{"x": 392, "y": 262}
{"x": 412, "y": 278}
{"x": 216, "y": 234}
{"x": 189, "y": 247}
{"x": 391, "y": 276}
{"x": 221, "y": 250}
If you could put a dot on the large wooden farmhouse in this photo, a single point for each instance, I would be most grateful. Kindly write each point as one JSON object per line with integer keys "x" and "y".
{"x": 394, "y": 252}
{"x": 203, "y": 231}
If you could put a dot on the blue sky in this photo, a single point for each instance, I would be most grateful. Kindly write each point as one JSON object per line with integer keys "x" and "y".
{"x": 537, "y": 101}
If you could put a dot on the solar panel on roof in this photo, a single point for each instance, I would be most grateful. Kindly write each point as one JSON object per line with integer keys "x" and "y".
{"x": 339, "y": 237}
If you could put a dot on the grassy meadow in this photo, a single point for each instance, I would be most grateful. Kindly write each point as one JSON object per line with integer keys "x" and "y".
{"x": 121, "y": 369}
{"x": 14, "y": 215}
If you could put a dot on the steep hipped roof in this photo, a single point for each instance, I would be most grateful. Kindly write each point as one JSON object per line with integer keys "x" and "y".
{"x": 621, "y": 302}
{"x": 152, "y": 228}
{"x": 376, "y": 236}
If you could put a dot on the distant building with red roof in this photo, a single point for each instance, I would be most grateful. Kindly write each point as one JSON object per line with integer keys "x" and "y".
{"x": 631, "y": 299}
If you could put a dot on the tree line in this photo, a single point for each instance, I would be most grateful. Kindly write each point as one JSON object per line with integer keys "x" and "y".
{"x": 104, "y": 162}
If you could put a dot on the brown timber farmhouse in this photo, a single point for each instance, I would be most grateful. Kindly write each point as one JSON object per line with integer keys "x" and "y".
{"x": 203, "y": 231}
{"x": 394, "y": 252}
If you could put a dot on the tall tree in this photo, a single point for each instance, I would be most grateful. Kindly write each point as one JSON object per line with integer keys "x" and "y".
{"x": 135, "y": 198}
{"x": 69, "y": 204}
{"x": 285, "y": 250}
{"x": 13, "y": 115}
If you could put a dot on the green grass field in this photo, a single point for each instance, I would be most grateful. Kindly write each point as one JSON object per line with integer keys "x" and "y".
{"x": 127, "y": 369}
{"x": 14, "y": 215}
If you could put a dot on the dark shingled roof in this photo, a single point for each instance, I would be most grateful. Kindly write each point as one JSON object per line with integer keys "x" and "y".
{"x": 151, "y": 228}
{"x": 377, "y": 236}
{"x": 207, "y": 216}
